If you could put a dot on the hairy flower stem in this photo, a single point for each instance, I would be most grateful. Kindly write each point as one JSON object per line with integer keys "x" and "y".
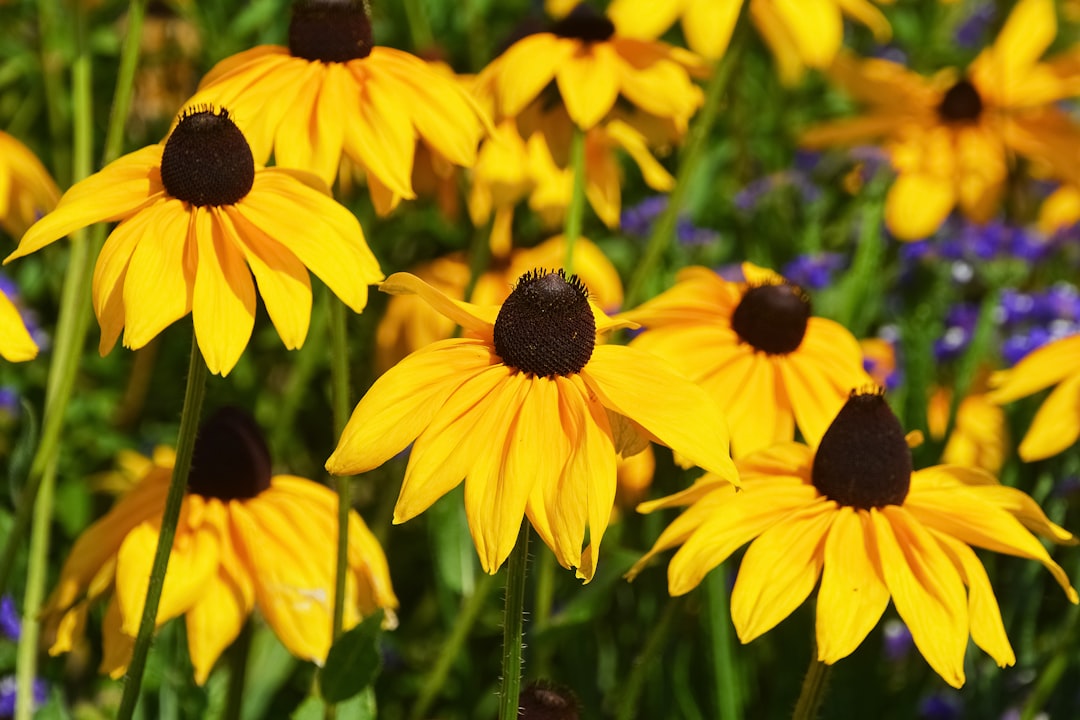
{"x": 689, "y": 159}
{"x": 185, "y": 447}
{"x": 513, "y": 626}
{"x": 575, "y": 214}
{"x": 813, "y": 689}
{"x": 726, "y": 682}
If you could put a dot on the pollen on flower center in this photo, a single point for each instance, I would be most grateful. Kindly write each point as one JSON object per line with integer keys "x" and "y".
{"x": 231, "y": 460}
{"x": 206, "y": 160}
{"x": 586, "y": 24}
{"x": 330, "y": 30}
{"x": 546, "y": 326}
{"x": 961, "y": 103}
{"x": 772, "y": 318}
{"x": 863, "y": 460}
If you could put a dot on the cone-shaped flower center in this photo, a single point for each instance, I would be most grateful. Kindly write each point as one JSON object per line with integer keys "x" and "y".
{"x": 206, "y": 160}
{"x": 772, "y": 318}
{"x": 544, "y": 701}
{"x": 330, "y": 30}
{"x": 546, "y": 326}
{"x": 585, "y": 24}
{"x": 863, "y": 460}
{"x": 231, "y": 460}
{"x": 961, "y": 103}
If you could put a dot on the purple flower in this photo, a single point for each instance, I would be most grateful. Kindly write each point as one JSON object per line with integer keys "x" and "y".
{"x": 7, "y": 694}
{"x": 898, "y": 642}
{"x": 638, "y": 221}
{"x": 814, "y": 271}
{"x": 751, "y": 196}
{"x": 970, "y": 33}
{"x": 9, "y": 403}
{"x": 941, "y": 706}
{"x": 10, "y": 622}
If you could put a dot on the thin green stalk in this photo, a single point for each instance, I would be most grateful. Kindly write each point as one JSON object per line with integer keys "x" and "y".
{"x": 238, "y": 660}
{"x": 419, "y": 27}
{"x": 513, "y": 626}
{"x": 575, "y": 214}
{"x": 52, "y": 66}
{"x": 185, "y": 446}
{"x": 813, "y": 689}
{"x": 726, "y": 681}
{"x": 452, "y": 649}
{"x": 630, "y": 693}
{"x": 689, "y": 160}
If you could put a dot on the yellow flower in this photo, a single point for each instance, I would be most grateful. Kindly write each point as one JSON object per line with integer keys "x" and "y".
{"x": 16, "y": 345}
{"x": 26, "y": 189}
{"x": 1057, "y": 423}
{"x": 979, "y": 435}
{"x": 1060, "y": 210}
{"x": 531, "y": 411}
{"x": 410, "y": 323}
{"x": 756, "y": 349}
{"x": 799, "y": 34}
{"x": 196, "y": 213}
{"x": 590, "y": 67}
{"x": 332, "y": 91}
{"x": 951, "y": 137}
{"x": 855, "y": 516}
{"x": 245, "y": 540}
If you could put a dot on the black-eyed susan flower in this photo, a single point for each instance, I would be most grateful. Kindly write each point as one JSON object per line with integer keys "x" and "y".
{"x": 198, "y": 219}
{"x": 410, "y": 323}
{"x": 801, "y": 34}
{"x": 756, "y": 348}
{"x": 247, "y": 539}
{"x": 951, "y": 137}
{"x": 979, "y": 436}
{"x": 531, "y": 411}
{"x": 332, "y": 91}
{"x": 27, "y": 191}
{"x": 583, "y": 61}
{"x": 1057, "y": 423}
{"x": 854, "y": 515}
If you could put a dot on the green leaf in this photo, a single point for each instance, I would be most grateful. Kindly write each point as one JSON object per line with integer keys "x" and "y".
{"x": 353, "y": 661}
{"x": 361, "y": 707}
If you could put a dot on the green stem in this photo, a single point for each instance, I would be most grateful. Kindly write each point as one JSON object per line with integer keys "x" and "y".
{"x": 423, "y": 38}
{"x": 52, "y": 65}
{"x": 689, "y": 159}
{"x": 628, "y": 696}
{"x": 575, "y": 214}
{"x": 813, "y": 689}
{"x": 722, "y": 643}
{"x": 238, "y": 658}
{"x": 452, "y": 649}
{"x": 513, "y": 626}
{"x": 185, "y": 446}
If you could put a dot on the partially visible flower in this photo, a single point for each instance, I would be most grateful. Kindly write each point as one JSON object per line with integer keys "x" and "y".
{"x": 750, "y": 197}
{"x": 952, "y": 136}
{"x": 333, "y": 92}
{"x": 1060, "y": 210}
{"x": 972, "y": 31}
{"x": 804, "y": 34}
{"x": 960, "y": 322}
{"x": 531, "y": 410}
{"x": 545, "y": 701}
{"x": 246, "y": 539}
{"x": 1057, "y": 423}
{"x": 198, "y": 219}
{"x": 979, "y": 435}
{"x": 897, "y": 640}
{"x": 411, "y": 323}
{"x": 16, "y": 342}
{"x": 8, "y": 689}
{"x": 941, "y": 706}
{"x": 853, "y": 514}
{"x": 879, "y": 360}
{"x": 10, "y": 622}
{"x": 27, "y": 191}
{"x": 638, "y": 221}
{"x": 756, "y": 348}
{"x": 814, "y": 271}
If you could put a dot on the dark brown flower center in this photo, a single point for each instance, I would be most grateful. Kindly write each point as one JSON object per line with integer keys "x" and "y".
{"x": 863, "y": 460}
{"x": 546, "y": 326}
{"x": 231, "y": 460}
{"x": 772, "y": 318}
{"x": 961, "y": 103}
{"x": 585, "y": 24}
{"x": 330, "y": 30}
{"x": 206, "y": 160}
{"x": 545, "y": 701}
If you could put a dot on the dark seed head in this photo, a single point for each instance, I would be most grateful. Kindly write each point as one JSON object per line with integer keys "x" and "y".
{"x": 546, "y": 326}
{"x": 961, "y": 103}
{"x": 330, "y": 30}
{"x": 545, "y": 701}
{"x": 772, "y": 318}
{"x": 585, "y": 24}
{"x": 206, "y": 160}
{"x": 863, "y": 460}
{"x": 231, "y": 460}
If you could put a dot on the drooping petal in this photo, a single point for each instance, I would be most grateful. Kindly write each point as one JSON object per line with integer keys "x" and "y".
{"x": 16, "y": 345}
{"x": 556, "y": 417}
{"x": 714, "y": 496}
{"x": 476, "y": 318}
{"x": 917, "y": 204}
{"x": 588, "y": 83}
{"x": 117, "y": 645}
{"x": 526, "y": 68}
{"x": 708, "y": 25}
{"x": 1056, "y": 425}
{"x": 311, "y": 133}
{"x": 598, "y": 452}
{"x": 381, "y": 137}
{"x": 814, "y": 26}
{"x": 645, "y": 20}
{"x": 215, "y": 620}
{"x": 853, "y": 595}
{"x": 1040, "y": 369}
{"x": 110, "y": 273}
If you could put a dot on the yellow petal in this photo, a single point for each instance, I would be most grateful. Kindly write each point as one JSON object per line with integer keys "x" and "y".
{"x": 403, "y": 401}
{"x": 677, "y": 412}
{"x": 1008, "y": 63}
{"x": 917, "y": 205}
{"x": 708, "y": 25}
{"x": 213, "y": 622}
{"x": 381, "y": 138}
{"x": 16, "y": 345}
{"x": 652, "y": 80}
{"x": 779, "y": 570}
{"x": 771, "y": 25}
{"x": 110, "y": 274}
{"x": 595, "y": 462}
{"x": 588, "y": 82}
{"x": 815, "y": 27}
{"x": 1040, "y": 369}
{"x": 643, "y": 18}
{"x": 527, "y": 67}
{"x": 556, "y": 417}
{"x": 869, "y": 16}
{"x": 117, "y": 645}
{"x": 853, "y": 595}
{"x": 311, "y": 133}
{"x": 475, "y": 318}
{"x": 633, "y": 142}
{"x": 1056, "y": 425}
{"x": 223, "y": 302}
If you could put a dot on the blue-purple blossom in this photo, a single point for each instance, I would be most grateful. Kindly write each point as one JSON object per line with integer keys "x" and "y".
{"x": 639, "y": 219}
{"x": 814, "y": 271}
{"x": 10, "y": 623}
{"x": 755, "y": 191}
{"x": 897, "y": 641}
{"x": 9, "y": 402}
{"x": 7, "y": 694}
{"x": 972, "y": 31}
{"x": 941, "y": 706}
